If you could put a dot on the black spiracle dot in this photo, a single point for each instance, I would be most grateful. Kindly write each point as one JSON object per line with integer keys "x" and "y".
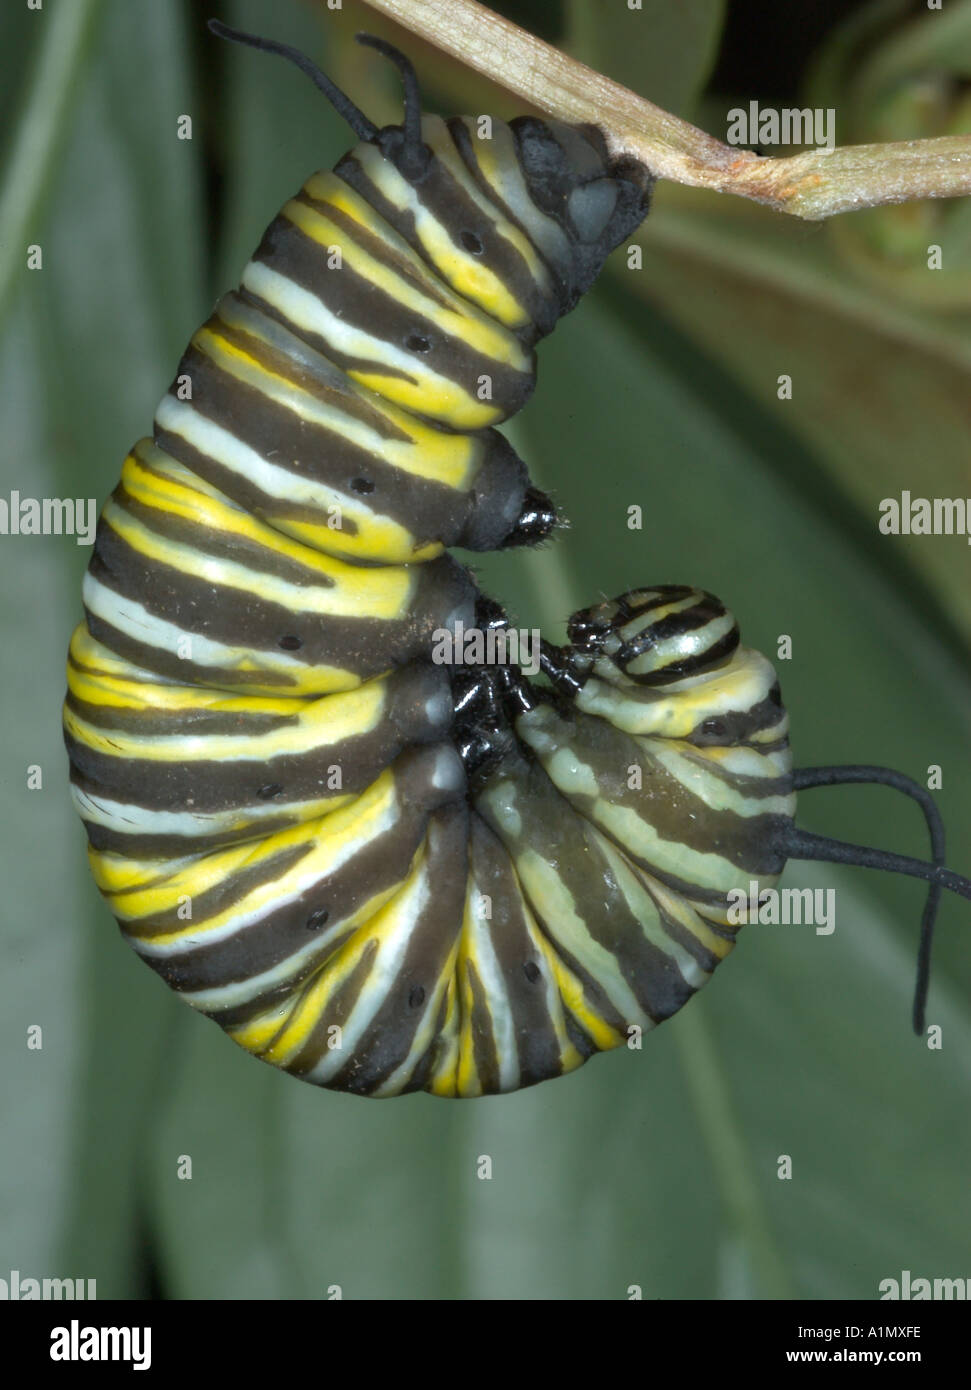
{"x": 418, "y": 343}
{"x": 290, "y": 643}
{"x": 361, "y": 485}
{"x": 472, "y": 243}
{"x": 268, "y": 792}
{"x": 417, "y": 997}
{"x": 531, "y": 971}
{"x": 317, "y": 919}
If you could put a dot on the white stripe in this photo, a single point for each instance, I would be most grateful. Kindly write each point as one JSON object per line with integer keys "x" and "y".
{"x": 136, "y": 622}
{"x": 704, "y": 783}
{"x": 497, "y": 995}
{"x": 406, "y": 908}
{"x": 140, "y": 820}
{"x": 555, "y": 905}
{"x": 183, "y": 419}
{"x": 303, "y": 875}
{"x": 646, "y": 910}
{"x": 308, "y": 312}
{"x": 367, "y": 594}
{"x": 308, "y": 736}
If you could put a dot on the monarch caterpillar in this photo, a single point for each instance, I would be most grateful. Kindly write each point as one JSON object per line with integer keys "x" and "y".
{"x": 374, "y": 872}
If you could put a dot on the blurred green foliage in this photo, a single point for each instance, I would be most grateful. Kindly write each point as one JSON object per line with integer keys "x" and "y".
{"x": 656, "y": 1168}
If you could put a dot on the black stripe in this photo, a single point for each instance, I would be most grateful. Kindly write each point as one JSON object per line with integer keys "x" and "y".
{"x": 263, "y": 336}
{"x": 535, "y": 1034}
{"x": 239, "y": 618}
{"x": 456, "y": 212}
{"x": 151, "y": 721}
{"x": 358, "y": 302}
{"x": 429, "y": 510}
{"x": 387, "y": 1040}
{"x": 379, "y": 249}
{"x": 230, "y": 546}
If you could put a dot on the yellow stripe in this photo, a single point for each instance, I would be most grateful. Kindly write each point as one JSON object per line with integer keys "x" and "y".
{"x": 114, "y": 692}
{"x": 426, "y": 452}
{"x": 315, "y": 1001}
{"x": 370, "y": 535}
{"x": 136, "y": 888}
{"x": 467, "y": 274}
{"x": 381, "y": 592}
{"x": 459, "y": 320}
{"x": 322, "y": 725}
{"x": 467, "y": 1080}
{"x": 443, "y": 1079}
{"x": 603, "y": 1036}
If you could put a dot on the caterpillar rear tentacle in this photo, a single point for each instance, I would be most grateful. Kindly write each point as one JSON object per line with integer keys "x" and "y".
{"x": 380, "y": 873}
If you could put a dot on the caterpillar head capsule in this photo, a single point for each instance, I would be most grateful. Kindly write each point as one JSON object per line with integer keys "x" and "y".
{"x": 594, "y": 201}
{"x": 653, "y": 636}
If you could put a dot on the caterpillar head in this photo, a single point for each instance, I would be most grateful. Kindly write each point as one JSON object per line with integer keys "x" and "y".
{"x": 667, "y": 662}
{"x": 593, "y": 200}
{"x": 580, "y": 203}
{"x": 672, "y": 738}
{"x": 650, "y": 637}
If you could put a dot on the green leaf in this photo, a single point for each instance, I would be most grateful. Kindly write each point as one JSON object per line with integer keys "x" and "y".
{"x": 60, "y": 41}
{"x": 880, "y": 389}
{"x": 41, "y": 939}
{"x": 663, "y": 51}
{"x": 895, "y": 74}
{"x": 95, "y": 334}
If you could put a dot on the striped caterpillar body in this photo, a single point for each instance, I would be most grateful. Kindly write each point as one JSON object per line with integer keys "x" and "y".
{"x": 373, "y": 871}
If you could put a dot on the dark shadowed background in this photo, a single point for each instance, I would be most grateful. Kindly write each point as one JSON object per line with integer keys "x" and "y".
{"x": 655, "y": 1168}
